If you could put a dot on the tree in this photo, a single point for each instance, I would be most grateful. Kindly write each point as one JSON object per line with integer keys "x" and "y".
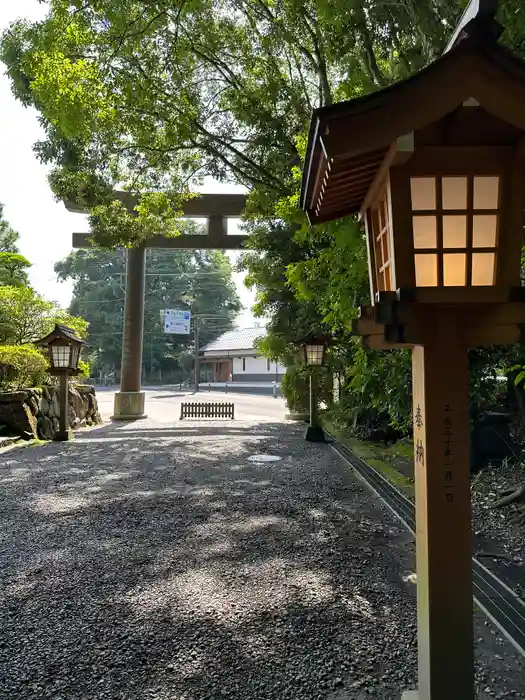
{"x": 151, "y": 95}
{"x": 203, "y": 280}
{"x": 13, "y": 268}
{"x": 25, "y": 316}
{"x": 8, "y": 237}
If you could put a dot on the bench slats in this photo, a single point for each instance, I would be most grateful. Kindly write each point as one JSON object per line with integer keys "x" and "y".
{"x": 206, "y": 409}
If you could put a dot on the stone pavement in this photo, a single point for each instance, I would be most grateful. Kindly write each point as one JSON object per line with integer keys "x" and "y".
{"x": 148, "y": 562}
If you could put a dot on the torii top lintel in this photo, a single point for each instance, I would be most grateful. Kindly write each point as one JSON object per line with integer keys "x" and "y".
{"x": 348, "y": 141}
{"x": 203, "y": 206}
{"x": 217, "y": 208}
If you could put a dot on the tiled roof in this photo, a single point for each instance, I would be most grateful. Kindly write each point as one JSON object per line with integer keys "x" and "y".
{"x": 243, "y": 339}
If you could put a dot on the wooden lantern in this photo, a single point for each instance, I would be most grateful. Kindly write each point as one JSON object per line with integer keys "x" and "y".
{"x": 435, "y": 168}
{"x": 314, "y": 351}
{"x": 63, "y": 347}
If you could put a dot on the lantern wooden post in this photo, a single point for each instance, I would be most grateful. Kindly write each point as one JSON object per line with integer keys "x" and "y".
{"x": 64, "y": 433}
{"x": 443, "y": 530}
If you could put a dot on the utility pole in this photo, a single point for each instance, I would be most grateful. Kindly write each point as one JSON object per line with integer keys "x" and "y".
{"x": 196, "y": 367}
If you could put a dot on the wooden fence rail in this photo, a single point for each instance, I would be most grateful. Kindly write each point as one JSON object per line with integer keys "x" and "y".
{"x": 207, "y": 409}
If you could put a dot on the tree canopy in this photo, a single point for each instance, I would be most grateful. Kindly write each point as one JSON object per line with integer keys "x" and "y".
{"x": 13, "y": 268}
{"x": 152, "y": 95}
{"x": 25, "y": 316}
{"x": 8, "y": 236}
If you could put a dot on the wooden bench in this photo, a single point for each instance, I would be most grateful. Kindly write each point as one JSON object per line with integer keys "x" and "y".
{"x": 206, "y": 409}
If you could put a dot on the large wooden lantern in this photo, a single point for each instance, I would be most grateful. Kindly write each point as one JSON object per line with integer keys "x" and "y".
{"x": 435, "y": 168}
{"x": 446, "y": 223}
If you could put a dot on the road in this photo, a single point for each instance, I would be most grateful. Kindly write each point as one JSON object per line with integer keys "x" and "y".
{"x": 163, "y": 404}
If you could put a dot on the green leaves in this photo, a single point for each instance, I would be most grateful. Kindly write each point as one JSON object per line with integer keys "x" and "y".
{"x": 8, "y": 237}
{"x": 25, "y": 316}
{"x": 13, "y": 268}
{"x": 21, "y": 366}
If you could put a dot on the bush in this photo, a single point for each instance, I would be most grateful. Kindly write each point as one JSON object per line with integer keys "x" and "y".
{"x": 376, "y": 398}
{"x": 21, "y": 366}
{"x": 84, "y": 370}
{"x": 295, "y": 389}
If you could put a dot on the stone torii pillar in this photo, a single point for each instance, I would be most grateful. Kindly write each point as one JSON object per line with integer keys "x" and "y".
{"x": 217, "y": 209}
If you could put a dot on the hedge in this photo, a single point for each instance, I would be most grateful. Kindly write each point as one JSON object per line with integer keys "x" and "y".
{"x": 21, "y": 366}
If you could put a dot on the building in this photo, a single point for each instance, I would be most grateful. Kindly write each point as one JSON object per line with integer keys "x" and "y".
{"x": 234, "y": 357}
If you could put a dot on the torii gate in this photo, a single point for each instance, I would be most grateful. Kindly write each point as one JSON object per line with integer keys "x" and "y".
{"x": 217, "y": 209}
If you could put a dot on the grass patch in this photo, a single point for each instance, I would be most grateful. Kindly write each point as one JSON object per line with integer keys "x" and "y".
{"x": 393, "y": 461}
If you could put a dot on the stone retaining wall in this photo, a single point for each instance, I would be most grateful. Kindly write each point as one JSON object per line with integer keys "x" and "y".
{"x": 34, "y": 412}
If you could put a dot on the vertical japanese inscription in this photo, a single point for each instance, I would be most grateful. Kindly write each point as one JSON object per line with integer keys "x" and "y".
{"x": 418, "y": 418}
{"x": 420, "y": 447}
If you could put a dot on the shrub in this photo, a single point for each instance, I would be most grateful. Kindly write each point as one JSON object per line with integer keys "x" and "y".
{"x": 84, "y": 370}
{"x": 295, "y": 388}
{"x": 21, "y": 366}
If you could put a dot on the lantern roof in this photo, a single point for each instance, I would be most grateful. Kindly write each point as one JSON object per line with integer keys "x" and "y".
{"x": 61, "y": 332}
{"x": 349, "y": 141}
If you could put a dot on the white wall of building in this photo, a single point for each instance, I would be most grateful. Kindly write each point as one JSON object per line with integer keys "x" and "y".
{"x": 255, "y": 365}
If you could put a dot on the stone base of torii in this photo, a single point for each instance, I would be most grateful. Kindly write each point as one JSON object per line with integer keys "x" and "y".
{"x": 217, "y": 209}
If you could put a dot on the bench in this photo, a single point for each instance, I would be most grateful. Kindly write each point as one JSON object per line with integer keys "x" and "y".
{"x": 206, "y": 409}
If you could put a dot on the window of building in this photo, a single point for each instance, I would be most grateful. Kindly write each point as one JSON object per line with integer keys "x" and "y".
{"x": 267, "y": 365}
{"x": 244, "y": 364}
{"x": 455, "y": 228}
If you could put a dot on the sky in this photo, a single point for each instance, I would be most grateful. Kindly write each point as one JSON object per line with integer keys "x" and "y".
{"x": 44, "y": 225}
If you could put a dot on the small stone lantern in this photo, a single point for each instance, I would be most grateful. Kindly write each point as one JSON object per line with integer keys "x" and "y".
{"x": 63, "y": 346}
{"x": 434, "y": 166}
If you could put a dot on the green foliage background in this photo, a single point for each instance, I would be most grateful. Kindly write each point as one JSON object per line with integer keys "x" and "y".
{"x": 154, "y": 96}
{"x": 25, "y": 317}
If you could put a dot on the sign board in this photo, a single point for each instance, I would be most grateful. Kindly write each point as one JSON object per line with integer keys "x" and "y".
{"x": 176, "y": 321}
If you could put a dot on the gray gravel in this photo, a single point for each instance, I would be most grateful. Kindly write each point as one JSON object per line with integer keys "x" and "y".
{"x": 158, "y": 564}
{"x": 493, "y": 532}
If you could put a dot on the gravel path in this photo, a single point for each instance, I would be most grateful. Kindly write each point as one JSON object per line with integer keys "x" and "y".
{"x": 165, "y": 565}
{"x": 493, "y": 531}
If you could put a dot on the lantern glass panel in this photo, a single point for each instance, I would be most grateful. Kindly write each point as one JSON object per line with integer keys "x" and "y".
{"x": 454, "y": 231}
{"x": 454, "y": 192}
{"x": 426, "y": 270}
{"x": 75, "y": 353}
{"x": 60, "y": 356}
{"x": 486, "y": 192}
{"x": 381, "y": 230}
{"x": 454, "y": 269}
{"x": 425, "y": 231}
{"x": 314, "y": 354}
{"x": 423, "y": 193}
{"x": 462, "y": 230}
{"x": 484, "y": 229}
{"x": 483, "y": 269}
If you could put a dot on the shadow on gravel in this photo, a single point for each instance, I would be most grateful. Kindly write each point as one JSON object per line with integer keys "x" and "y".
{"x": 167, "y": 566}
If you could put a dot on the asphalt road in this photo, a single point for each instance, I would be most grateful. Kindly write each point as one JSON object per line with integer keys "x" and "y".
{"x": 163, "y": 404}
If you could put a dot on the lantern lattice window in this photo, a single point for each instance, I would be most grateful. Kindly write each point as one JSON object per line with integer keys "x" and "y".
{"x": 455, "y": 229}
